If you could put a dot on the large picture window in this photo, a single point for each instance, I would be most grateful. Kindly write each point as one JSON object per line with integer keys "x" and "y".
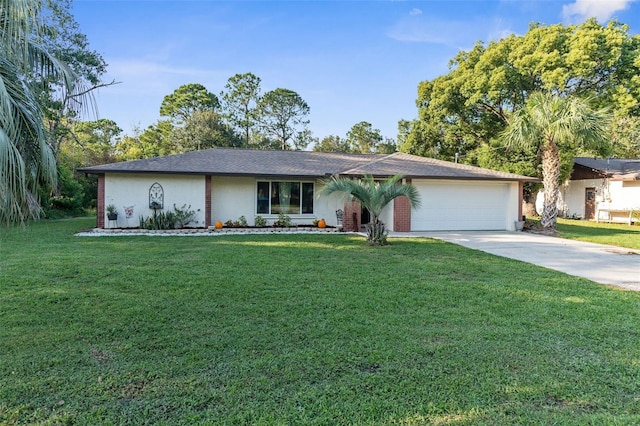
{"x": 284, "y": 197}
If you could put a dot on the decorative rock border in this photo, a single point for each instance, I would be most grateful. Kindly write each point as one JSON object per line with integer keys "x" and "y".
{"x": 211, "y": 231}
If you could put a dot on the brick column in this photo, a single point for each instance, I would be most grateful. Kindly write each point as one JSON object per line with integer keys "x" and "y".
{"x": 521, "y": 199}
{"x": 207, "y": 201}
{"x": 352, "y": 212}
{"x": 401, "y": 214}
{"x": 100, "y": 202}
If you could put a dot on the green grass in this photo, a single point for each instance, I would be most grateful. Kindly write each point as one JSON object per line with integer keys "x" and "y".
{"x": 602, "y": 233}
{"x": 303, "y": 329}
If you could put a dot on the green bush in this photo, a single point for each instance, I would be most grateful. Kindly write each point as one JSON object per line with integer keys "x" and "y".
{"x": 183, "y": 215}
{"x": 284, "y": 220}
{"x": 158, "y": 221}
{"x": 67, "y": 199}
{"x": 260, "y": 221}
{"x": 178, "y": 218}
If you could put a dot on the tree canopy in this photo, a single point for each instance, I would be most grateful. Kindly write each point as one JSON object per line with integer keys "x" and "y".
{"x": 187, "y": 100}
{"x": 240, "y": 101}
{"x": 283, "y": 117}
{"x": 27, "y": 160}
{"x": 362, "y": 138}
{"x": 470, "y": 106}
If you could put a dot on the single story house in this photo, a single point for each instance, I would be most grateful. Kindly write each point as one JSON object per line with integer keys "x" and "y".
{"x": 224, "y": 183}
{"x": 602, "y": 189}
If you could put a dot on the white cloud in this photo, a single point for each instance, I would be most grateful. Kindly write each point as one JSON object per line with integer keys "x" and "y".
{"x": 458, "y": 34}
{"x": 602, "y": 10}
{"x": 415, "y": 12}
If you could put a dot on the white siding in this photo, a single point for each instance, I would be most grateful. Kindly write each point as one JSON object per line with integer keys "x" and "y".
{"x": 232, "y": 197}
{"x": 465, "y": 205}
{"x": 616, "y": 195}
{"x": 125, "y": 190}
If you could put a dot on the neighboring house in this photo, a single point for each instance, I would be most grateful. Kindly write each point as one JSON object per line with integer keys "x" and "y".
{"x": 601, "y": 188}
{"x": 224, "y": 184}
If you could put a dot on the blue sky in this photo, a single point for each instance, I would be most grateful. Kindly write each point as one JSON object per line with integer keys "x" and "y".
{"x": 351, "y": 61}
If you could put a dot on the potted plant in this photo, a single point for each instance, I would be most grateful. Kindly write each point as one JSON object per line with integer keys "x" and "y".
{"x": 112, "y": 212}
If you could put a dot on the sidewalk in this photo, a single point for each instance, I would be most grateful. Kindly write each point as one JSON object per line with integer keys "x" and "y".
{"x": 604, "y": 264}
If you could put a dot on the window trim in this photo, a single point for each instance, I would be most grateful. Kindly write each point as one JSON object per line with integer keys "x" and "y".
{"x": 301, "y": 183}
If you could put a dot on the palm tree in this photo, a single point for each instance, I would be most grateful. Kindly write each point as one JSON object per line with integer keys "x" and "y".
{"x": 373, "y": 196}
{"x": 551, "y": 124}
{"x": 27, "y": 161}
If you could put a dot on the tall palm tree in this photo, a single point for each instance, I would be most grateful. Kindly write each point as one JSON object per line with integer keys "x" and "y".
{"x": 26, "y": 159}
{"x": 374, "y": 196}
{"x": 551, "y": 124}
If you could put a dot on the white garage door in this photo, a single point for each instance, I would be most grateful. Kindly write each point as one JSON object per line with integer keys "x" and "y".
{"x": 447, "y": 206}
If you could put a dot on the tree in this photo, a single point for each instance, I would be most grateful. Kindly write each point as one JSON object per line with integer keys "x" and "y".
{"x": 363, "y": 138}
{"x": 625, "y": 137}
{"x": 203, "y": 130}
{"x": 27, "y": 162}
{"x": 283, "y": 116}
{"x": 374, "y": 196}
{"x": 332, "y": 143}
{"x": 92, "y": 143}
{"x": 155, "y": 141}
{"x": 186, "y": 100}
{"x": 551, "y": 124}
{"x": 64, "y": 40}
{"x": 240, "y": 101}
{"x": 471, "y": 105}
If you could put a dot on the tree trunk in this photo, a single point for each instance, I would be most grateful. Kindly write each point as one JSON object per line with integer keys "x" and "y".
{"x": 376, "y": 232}
{"x": 550, "y": 180}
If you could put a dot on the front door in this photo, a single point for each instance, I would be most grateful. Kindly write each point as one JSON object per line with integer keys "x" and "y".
{"x": 365, "y": 217}
{"x": 589, "y": 203}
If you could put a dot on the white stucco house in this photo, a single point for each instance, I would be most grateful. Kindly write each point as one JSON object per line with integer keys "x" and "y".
{"x": 225, "y": 183}
{"x": 604, "y": 189}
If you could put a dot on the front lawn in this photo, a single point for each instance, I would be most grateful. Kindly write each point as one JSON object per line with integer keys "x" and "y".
{"x": 602, "y": 233}
{"x": 303, "y": 329}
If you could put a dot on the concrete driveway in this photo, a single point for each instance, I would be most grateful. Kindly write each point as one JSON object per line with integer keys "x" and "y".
{"x": 600, "y": 263}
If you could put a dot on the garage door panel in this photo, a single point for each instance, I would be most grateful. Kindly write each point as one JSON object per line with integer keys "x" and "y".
{"x": 460, "y": 206}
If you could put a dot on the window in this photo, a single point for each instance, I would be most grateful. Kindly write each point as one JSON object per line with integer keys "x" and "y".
{"x": 284, "y": 197}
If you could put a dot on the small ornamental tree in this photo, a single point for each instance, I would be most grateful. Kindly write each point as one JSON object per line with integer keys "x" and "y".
{"x": 374, "y": 196}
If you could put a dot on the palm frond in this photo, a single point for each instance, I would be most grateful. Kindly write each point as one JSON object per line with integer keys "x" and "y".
{"x": 372, "y": 195}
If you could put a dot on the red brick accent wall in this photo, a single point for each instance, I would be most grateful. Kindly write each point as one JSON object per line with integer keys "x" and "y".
{"x": 520, "y": 199}
{"x": 401, "y": 214}
{"x": 207, "y": 201}
{"x": 352, "y": 212}
{"x": 100, "y": 203}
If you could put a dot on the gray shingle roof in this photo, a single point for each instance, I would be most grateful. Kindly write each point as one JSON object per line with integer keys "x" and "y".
{"x": 616, "y": 168}
{"x": 246, "y": 162}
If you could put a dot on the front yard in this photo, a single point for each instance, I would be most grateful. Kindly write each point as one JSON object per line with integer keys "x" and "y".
{"x": 602, "y": 233}
{"x": 303, "y": 329}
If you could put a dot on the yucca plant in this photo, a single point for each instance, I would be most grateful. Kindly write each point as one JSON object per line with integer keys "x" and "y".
{"x": 374, "y": 196}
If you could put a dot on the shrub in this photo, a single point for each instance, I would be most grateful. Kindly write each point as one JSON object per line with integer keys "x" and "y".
{"x": 68, "y": 197}
{"x": 184, "y": 215}
{"x": 284, "y": 220}
{"x": 260, "y": 221}
{"x": 178, "y": 218}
